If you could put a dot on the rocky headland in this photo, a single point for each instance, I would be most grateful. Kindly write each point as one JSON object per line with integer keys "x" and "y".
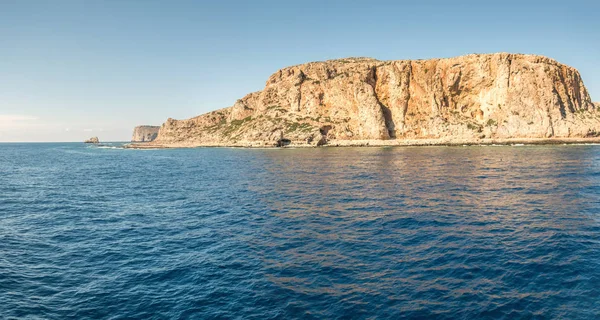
{"x": 145, "y": 133}
{"x": 473, "y": 99}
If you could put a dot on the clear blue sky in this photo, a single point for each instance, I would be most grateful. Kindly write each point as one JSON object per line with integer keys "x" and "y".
{"x": 74, "y": 69}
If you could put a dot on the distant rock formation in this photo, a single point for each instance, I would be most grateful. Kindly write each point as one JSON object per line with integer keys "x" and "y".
{"x": 468, "y": 98}
{"x": 145, "y": 133}
{"x": 94, "y": 140}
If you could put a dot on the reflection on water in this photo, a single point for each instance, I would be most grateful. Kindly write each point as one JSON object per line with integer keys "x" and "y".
{"x": 434, "y": 231}
{"x": 429, "y": 232}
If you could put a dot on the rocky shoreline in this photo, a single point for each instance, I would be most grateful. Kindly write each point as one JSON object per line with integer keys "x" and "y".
{"x": 380, "y": 143}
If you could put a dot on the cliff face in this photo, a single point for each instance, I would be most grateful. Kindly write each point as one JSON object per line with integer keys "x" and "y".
{"x": 144, "y": 133}
{"x": 470, "y": 97}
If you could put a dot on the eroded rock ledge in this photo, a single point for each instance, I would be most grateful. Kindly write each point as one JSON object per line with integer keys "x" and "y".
{"x": 472, "y": 98}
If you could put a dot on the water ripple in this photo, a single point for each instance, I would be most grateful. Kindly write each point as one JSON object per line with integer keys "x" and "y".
{"x": 440, "y": 232}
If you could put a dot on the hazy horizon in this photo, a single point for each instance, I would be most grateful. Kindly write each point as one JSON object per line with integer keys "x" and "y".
{"x": 75, "y": 69}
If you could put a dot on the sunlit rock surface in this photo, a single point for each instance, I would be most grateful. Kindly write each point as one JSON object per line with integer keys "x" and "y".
{"x": 467, "y": 98}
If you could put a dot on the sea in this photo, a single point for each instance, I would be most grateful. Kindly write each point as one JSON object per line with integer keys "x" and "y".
{"x": 473, "y": 232}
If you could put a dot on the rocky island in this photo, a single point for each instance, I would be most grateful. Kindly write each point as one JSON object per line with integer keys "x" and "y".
{"x": 145, "y": 133}
{"x": 472, "y": 99}
{"x": 93, "y": 140}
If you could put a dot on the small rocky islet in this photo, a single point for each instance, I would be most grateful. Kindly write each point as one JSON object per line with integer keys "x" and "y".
{"x": 92, "y": 140}
{"x": 472, "y": 99}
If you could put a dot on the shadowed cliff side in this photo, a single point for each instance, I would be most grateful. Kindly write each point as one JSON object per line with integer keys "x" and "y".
{"x": 145, "y": 133}
{"x": 468, "y": 98}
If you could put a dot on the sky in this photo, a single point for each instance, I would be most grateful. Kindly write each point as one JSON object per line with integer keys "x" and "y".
{"x": 72, "y": 69}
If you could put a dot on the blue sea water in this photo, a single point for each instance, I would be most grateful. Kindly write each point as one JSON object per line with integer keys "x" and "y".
{"x": 327, "y": 233}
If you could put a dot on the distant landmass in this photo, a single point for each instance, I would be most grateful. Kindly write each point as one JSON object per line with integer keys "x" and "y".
{"x": 477, "y": 98}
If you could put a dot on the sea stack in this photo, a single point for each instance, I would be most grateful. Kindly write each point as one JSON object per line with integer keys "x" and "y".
{"x": 93, "y": 140}
{"x": 358, "y": 101}
{"x": 145, "y": 133}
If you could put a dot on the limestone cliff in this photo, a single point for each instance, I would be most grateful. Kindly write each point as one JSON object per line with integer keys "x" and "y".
{"x": 144, "y": 133}
{"x": 471, "y": 97}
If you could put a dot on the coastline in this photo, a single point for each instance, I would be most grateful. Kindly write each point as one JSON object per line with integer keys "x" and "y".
{"x": 372, "y": 143}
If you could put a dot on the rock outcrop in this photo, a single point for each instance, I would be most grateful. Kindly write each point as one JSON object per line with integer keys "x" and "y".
{"x": 94, "y": 140}
{"x": 144, "y": 133}
{"x": 468, "y": 98}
